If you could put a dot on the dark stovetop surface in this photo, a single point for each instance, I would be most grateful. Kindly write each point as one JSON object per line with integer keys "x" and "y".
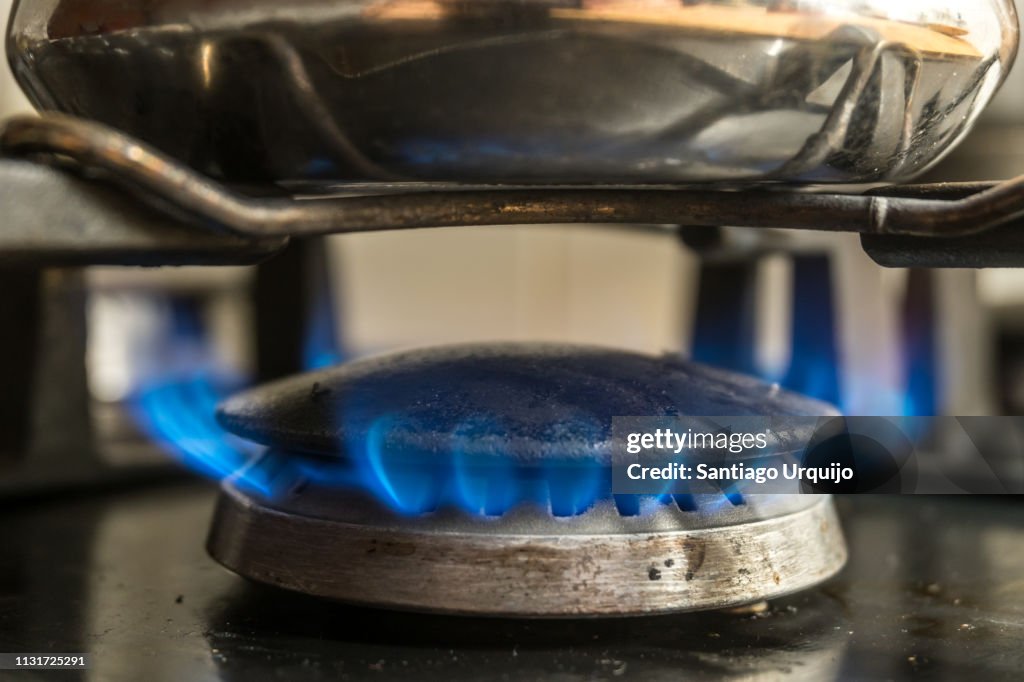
{"x": 934, "y": 590}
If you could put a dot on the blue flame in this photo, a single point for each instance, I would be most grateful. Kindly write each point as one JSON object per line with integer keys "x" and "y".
{"x": 574, "y": 486}
{"x": 814, "y": 367}
{"x": 724, "y": 337}
{"x": 920, "y": 351}
{"x": 482, "y": 486}
{"x": 416, "y": 482}
{"x": 472, "y": 467}
{"x": 176, "y": 402}
{"x": 320, "y": 346}
{"x": 178, "y": 413}
{"x": 412, "y": 485}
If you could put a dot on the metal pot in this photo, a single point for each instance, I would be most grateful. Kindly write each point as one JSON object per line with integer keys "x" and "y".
{"x": 532, "y": 91}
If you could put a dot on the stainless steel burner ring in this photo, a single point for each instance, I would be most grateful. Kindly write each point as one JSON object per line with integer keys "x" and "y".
{"x": 528, "y": 563}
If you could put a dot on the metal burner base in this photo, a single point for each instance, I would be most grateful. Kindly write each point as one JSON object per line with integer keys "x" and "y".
{"x": 528, "y": 563}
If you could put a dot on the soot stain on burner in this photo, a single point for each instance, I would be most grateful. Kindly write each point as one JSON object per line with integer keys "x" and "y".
{"x": 317, "y": 392}
{"x": 696, "y": 552}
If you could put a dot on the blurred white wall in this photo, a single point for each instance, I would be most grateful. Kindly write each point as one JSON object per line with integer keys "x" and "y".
{"x": 580, "y": 284}
{"x": 11, "y": 99}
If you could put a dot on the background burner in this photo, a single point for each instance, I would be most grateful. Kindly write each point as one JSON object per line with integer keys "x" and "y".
{"x": 376, "y": 492}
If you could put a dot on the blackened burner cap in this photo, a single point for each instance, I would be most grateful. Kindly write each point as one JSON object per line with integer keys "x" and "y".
{"x": 528, "y": 403}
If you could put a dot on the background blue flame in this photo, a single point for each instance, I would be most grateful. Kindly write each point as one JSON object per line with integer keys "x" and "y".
{"x": 724, "y": 335}
{"x": 320, "y": 346}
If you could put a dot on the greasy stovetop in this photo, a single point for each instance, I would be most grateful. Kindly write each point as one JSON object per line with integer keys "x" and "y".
{"x": 934, "y": 590}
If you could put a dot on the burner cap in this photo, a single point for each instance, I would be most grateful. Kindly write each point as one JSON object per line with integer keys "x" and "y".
{"x": 524, "y": 402}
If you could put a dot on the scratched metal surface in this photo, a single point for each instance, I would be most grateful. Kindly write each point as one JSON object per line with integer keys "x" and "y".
{"x": 934, "y": 590}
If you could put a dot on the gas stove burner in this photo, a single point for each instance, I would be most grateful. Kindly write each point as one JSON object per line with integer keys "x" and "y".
{"x": 476, "y": 480}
